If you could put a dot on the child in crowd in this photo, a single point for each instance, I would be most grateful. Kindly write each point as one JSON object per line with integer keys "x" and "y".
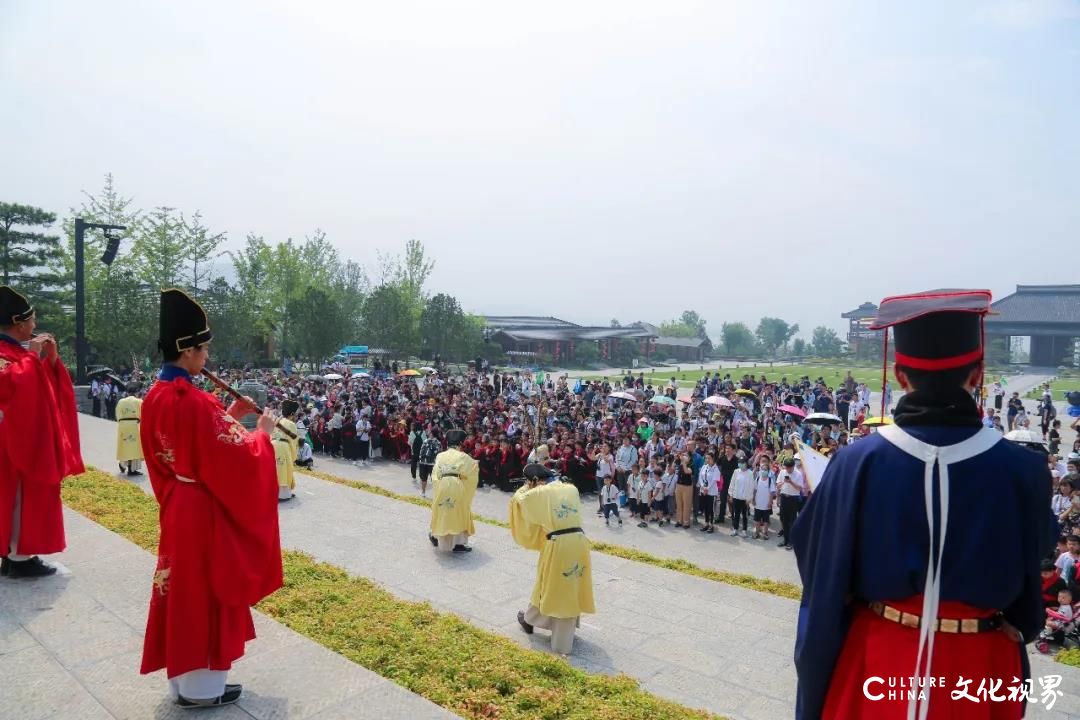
{"x": 1056, "y": 618}
{"x": 303, "y": 455}
{"x": 670, "y": 479}
{"x": 1068, "y": 560}
{"x": 609, "y": 498}
{"x": 741, "y": 495}
{"x": 1054, "y": 437}
{"x": 633, "y": 488}
{"x": 645, "y": 496}
{"x": 1051, "y": 584}
{"x": 659, "y": 502}
{"x": 764, "y": 497}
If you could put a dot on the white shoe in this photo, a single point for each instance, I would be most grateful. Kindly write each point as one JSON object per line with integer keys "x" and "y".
{"x": 744, "y": 534}
{"x": 734, "y": 533}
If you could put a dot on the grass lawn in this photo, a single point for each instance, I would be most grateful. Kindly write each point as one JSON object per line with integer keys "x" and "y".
{"x": 833, "y": 374}
{"x": 1058, "y": 388}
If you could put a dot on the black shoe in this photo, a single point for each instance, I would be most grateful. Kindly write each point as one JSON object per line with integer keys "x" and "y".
{"x": 123, "y": 469}
{"x": 286, "y": 499}
{"x": 34, "y": 567}
{"x": 524, "y": 625}
{"x": 134, "y": 472}
{"x": 231, "y": 695}
{"x": 782, "y": 543}
{"x": 462, "y": 548}
{"x": 4, "y": 565}
{"x": 434, "y": 540}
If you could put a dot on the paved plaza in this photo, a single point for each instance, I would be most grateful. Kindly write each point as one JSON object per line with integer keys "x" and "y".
{"x": 699, "y": 642}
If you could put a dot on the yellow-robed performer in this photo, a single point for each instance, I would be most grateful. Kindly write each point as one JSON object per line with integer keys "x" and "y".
{"x": 285, "y": 450}
{"x": 548, "y": 518}
{"x": 129, "y": 451}
{"x": 454, "y": 479}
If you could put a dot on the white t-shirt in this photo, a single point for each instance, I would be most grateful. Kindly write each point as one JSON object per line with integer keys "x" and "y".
{"x": 764, "y": 488}
{"x": 708, "y": 478}
{"x": 742, "y": 485}
{"x": 609, "y": 494}
{"x": 790, "y": 483}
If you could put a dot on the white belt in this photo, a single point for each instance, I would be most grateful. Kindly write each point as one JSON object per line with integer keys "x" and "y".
{"x": 183, "y": 479}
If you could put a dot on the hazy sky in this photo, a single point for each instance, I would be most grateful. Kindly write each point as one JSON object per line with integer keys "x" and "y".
{"x": 587, "y": 160}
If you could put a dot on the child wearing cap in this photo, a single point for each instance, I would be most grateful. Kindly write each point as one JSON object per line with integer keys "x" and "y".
{"x": 609, "y": 499}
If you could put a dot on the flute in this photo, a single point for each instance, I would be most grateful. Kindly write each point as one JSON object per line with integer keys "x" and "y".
{"x": 228, "y": 388}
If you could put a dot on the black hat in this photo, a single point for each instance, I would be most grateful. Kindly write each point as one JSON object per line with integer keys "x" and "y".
{"x": 14, "y": 308}
{"x": 456, "y": 436}
{"x": 535, "y": 471}
{"x": 183, "y": 322}
{"x": 936, "y": 329}
{"x": 288, "y": 407}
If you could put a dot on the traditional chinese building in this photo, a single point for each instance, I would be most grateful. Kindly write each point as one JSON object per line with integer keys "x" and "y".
{"x": 559, "y": 339}
{"x": 862, "y": 341}
{"x": 1047, "y": 314}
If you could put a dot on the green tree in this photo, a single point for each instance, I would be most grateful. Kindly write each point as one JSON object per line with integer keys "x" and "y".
{"x": 25, "y": 254}
{"x": 586, "y": 353}
{"x": 470, "y": 339}
{"x": 440, "y": 322}
{"x": 320, "y": 325}
{"x": 160, "y": 251}
{"x": 234, "y": 343}
{"x": 774, "y": 333}
{"x": 615, "y": 323}
{"x": 674, "y": 328}
{"x": 254, "y": 309}
{"x": 319, "y": 259}
{"x": 390, "y": 320}
{"x": 826, "y": 343}
{"x": 736, "y": 339}
{"x": 414, "y": 271}
{"x": 201, "y": 249}
{"x": 690, "y": 318}
{"x": 798, "y": 347}
{"x": 287, "y": 284}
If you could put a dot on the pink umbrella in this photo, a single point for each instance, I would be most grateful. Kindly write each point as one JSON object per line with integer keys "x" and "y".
{"x": 686, "y": 399}
{"x": 791, "y": 409}
{"x": 719, "y": 400}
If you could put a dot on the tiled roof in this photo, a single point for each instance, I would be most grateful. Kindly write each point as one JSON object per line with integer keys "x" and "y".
{"x": 695, "y": 342}
{"x": 573, "y": 333}
{"x": 1038, "y": 304}
{"x": 502, "y": 322}
{"x": 866, "y": 310}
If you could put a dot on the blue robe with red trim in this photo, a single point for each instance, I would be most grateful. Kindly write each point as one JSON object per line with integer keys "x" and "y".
{"x": 863, "y": 536}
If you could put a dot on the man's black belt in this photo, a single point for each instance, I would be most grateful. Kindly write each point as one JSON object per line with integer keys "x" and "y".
{"x": 126, "y": 419}
{"x": 564, "y": 531}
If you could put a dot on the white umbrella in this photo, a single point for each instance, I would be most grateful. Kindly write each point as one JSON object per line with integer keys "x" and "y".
{"x": 332, "y": 376}
{"x": 662, "y": 400}
{"x": 821, "y": 419}
{"x": 428, "y": 369}
{"x": 1025, "y": 437}
{"x": 319, "y": 378}
{"x": 622, "y": 396}
{"x": 718, "y": 400}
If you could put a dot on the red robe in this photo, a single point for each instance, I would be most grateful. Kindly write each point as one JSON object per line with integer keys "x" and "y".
{"x": 39, "y": 446}
{"x": 220, "y": 551}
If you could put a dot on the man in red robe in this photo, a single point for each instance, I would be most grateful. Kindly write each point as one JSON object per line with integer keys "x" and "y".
{"x": 216, "y": 483}
{"x": 37, "y": 401}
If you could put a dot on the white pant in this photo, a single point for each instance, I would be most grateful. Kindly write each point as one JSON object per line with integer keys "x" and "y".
{"x": 562, "y": 629}
{"x": 16, "y": 525}
{"x": 447, "y": 542}
{"x": 198, "y": 684}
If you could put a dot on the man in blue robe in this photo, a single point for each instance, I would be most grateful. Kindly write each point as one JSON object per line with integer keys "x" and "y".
{"x": 878, "y": 601}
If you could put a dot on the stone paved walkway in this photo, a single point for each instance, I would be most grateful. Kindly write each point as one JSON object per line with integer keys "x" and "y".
{"x": 70, "y": 648}
{"x": 702, "y": 643}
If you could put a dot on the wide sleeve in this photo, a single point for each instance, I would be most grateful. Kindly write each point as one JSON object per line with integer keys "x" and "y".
{"x": 523, "y": 526}
{"x": 67, "y": 418}
{"x": 238, "y": 469}
{"x": 1040, "y": 531}
{"x": 823, "y": 537}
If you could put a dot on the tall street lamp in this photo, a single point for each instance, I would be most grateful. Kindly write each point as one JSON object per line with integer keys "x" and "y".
{"x": 112, "y": 246}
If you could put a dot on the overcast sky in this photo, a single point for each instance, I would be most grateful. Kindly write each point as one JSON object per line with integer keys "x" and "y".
{"x": 582, "y": 159}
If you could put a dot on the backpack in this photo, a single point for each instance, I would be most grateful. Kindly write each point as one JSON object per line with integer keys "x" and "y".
{"x": 429, "y": 451}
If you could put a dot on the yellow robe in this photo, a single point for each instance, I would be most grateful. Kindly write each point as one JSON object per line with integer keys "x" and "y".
{"x": 285, "y": 450}
{"x": 128, "y": 417}
{"x": 454, "y": 479}
{"x": 563, "y": 586}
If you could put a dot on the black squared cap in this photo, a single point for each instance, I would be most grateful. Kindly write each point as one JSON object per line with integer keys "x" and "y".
{"x": 183, "y": 322}
{"x": 14, "y": 307}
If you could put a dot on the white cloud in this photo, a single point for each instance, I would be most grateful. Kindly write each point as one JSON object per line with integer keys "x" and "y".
{"x": 1029, "y": 14}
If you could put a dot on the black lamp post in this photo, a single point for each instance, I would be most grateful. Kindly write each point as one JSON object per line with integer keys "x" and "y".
{"x": 111, "y": 248}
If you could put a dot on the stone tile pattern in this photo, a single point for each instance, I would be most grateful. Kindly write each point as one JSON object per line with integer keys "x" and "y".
{"x": 70, "y": 648}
